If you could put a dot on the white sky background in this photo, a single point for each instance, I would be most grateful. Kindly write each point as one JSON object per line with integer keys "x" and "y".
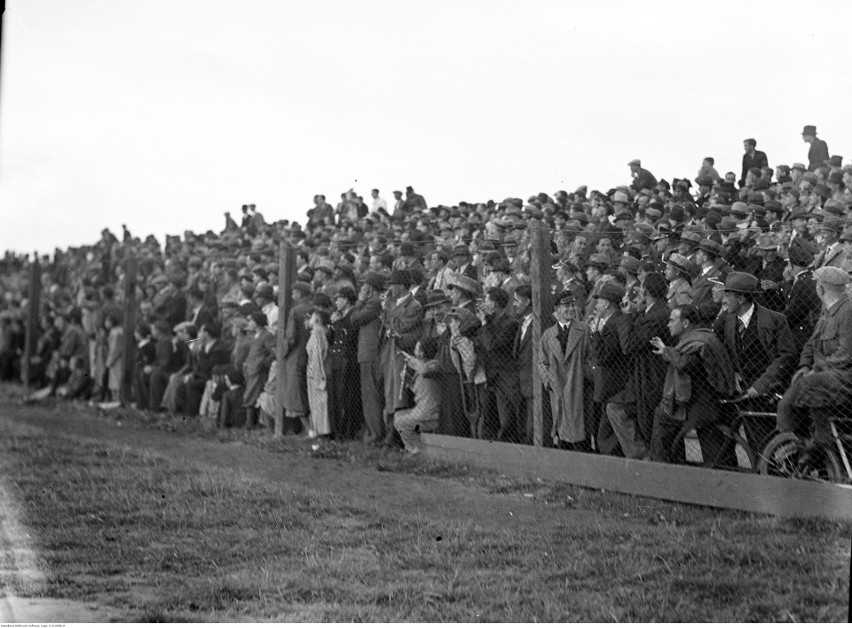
{"x": 164, "y": 114}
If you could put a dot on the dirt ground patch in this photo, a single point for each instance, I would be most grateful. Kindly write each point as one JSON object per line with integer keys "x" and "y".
{"x": 159, "y": 521}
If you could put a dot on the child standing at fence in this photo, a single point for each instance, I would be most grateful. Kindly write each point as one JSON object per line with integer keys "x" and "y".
{"x": 423, "y": 417}
{"x": 317, "y": 371}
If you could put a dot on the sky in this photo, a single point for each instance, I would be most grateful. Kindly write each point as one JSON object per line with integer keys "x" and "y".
{"x": 162, "y": 115}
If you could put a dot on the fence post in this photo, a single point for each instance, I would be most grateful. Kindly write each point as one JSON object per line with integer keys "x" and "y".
{"x": 286, "y": 277}
{"x": 541, "y": 309}
{"x": 129, "y": 326}
{"x": 33, "y": 321}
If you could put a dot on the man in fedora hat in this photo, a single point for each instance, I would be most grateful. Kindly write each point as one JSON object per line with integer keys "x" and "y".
{"x": 463, "y": 291}
{"x": 402, "y": 320}
{"x": 678, "y": 274}
{"x": 760, "y": 345}
{"x": 818, "y": 152}
{"x": 462, "y": 260}
{"x": 610, "y": 364}
{"x": 709, "y": 258}
{"x": 833, "y": 254}
{"x": 770, "y": 272}
{"x": 822, "y": 385}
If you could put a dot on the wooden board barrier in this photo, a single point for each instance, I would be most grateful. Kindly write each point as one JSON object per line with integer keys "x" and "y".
{"x": 689, "y": 485}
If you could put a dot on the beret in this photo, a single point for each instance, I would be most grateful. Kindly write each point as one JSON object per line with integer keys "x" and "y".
{"x": 832, "y": 276}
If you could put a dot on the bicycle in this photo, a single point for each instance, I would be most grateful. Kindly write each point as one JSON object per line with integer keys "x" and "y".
{"x": 783, "y": 455}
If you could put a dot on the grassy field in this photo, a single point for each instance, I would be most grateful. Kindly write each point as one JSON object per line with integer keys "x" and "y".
{"x": 160, "y": 539}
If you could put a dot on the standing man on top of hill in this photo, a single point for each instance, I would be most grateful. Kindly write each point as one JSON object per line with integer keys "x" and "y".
{"x": 642, "y": 179}
{"x": 818, "y": 152}
{"x": 752, "y": 158}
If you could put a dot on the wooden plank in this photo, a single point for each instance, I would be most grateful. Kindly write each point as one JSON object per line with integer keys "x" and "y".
{"x": 286, "y": 278}
{"x": 747, "y": 492}
{"x": 33, "y": 322}
{"x": 129, "y": 326}
{"x": 541, "y": 308}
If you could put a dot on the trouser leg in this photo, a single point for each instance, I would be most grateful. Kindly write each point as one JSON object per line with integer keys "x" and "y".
{"x": 624, "y": 426}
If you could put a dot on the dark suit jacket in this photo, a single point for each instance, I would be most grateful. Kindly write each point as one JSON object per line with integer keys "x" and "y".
{"x": 758, "y": 161}
{"x": 522, "y": 352}
{"x": 772, "y": 299}
{"x": 343, "y": 351}
{"x": 497, "y": 338}
{"x": 775, "y": 338}
{"x": 612, "y": 364}
{"x": 803, "y": 308}
{"x": 817, "y": 154}
{"x": 205, "y": 316}
{"x": 365, "y": 318}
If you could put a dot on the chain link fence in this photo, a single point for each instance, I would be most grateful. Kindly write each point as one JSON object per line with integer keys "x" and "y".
{"x": 723, "y": 347}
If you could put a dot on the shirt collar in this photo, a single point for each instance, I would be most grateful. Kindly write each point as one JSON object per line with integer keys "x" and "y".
{"x": 746, "y": 318}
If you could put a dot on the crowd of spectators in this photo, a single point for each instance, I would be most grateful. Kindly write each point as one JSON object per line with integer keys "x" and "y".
{"x": 406, "y": 317}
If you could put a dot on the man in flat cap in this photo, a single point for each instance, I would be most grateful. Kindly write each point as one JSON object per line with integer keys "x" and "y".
{"x": 818, "y": 152}
{"x": 642, "y": 178}
{"x": 760, "y": 345}
{"x": 823, "y": 383}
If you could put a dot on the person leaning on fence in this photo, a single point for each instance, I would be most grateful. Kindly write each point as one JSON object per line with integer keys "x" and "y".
{"x": 699, "y": 373}
{"x": 822, "y": 385}
{"x": 760, "y": 345}
{"x": 564, "y": 349}
{"x": 423, "y": 416}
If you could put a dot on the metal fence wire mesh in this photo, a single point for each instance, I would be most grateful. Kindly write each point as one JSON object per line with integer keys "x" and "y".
{"x": 723, "y": 345}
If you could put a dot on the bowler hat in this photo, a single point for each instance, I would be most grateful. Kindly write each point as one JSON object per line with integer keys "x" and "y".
{"x": 742, "y": 282}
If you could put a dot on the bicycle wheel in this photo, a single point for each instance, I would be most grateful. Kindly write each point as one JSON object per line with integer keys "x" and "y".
{"x": 781, "y": 457}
